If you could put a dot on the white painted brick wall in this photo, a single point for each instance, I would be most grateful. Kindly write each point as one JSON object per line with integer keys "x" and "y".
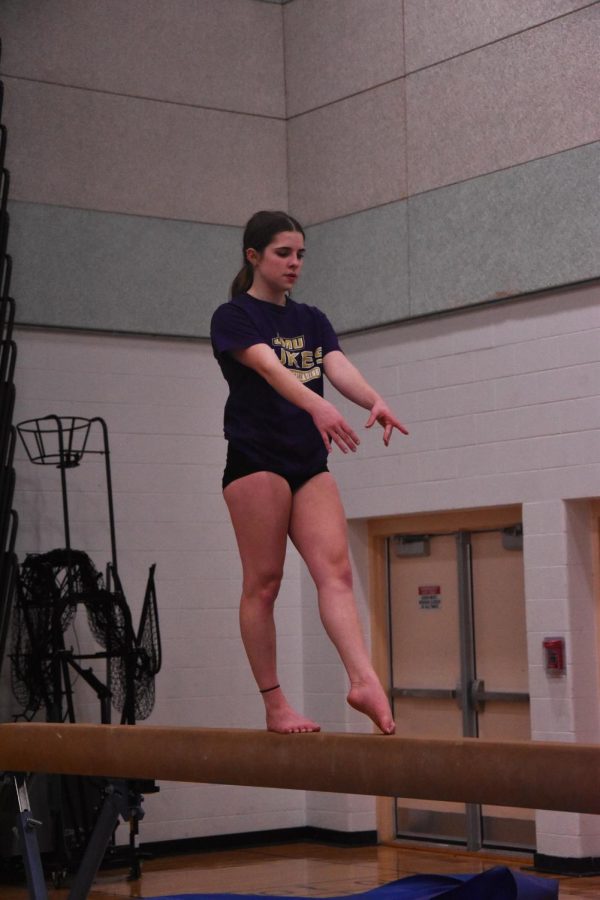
{"x": 502, "y": 387}
{"x": 503, "y": 407}
{"x": 163, "y": 404}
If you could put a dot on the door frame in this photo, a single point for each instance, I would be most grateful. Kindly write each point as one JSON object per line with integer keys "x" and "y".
{"x": 379, "y": 530}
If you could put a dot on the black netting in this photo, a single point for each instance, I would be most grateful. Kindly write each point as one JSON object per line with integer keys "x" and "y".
{"x": 31, "y": 672}
{"x": 49, "y": 588}
{"x": 141, "y": 679}
{"x": 148, "y": 638}
{"x": 110, "y": 621}
{"x": 51, "y": 585}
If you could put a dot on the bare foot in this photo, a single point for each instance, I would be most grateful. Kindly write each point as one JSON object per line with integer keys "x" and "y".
{"x": 283, "y": 719}
{"x": 369, "y": 698}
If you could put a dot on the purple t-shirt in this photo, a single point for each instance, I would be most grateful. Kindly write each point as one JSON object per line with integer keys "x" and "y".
{"x": 259, "y": 422}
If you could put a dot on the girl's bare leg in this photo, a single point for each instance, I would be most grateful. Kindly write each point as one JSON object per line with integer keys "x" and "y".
{"x": 259, "y": 506}
{"x": 318, "y": 529}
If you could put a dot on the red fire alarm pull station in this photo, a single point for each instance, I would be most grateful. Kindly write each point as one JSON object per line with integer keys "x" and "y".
{"x": 554, "y": 654}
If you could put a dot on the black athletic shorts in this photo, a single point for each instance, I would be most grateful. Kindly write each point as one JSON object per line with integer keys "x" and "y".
{"x": 238, "y": 465}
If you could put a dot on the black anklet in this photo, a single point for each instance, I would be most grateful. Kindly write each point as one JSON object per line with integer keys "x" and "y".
{"x": 268, "y": 690}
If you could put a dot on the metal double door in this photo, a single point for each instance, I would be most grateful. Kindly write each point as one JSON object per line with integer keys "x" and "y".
{"x": 458, "y": 657}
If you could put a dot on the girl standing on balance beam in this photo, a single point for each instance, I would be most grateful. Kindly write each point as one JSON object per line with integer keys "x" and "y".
{"x": 273, "y": 353}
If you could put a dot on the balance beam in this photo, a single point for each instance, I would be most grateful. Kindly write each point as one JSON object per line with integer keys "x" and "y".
{"x": 530, "y": 774}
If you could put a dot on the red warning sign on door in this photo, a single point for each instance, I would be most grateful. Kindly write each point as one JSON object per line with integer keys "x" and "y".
{"x": 430, "y": 596}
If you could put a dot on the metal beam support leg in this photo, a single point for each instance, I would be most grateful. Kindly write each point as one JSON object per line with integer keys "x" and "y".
{"x": 26, "y": 825}
{"x": 116, "y": 803}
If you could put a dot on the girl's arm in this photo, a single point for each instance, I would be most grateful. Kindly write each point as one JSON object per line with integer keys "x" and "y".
{"x": 346, "y": 378}
{"x": 330, "y": 423}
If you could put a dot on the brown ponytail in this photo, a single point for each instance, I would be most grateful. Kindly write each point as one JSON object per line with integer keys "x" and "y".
{"x": 258, "y": 234}
{"x": 243, "y": 280}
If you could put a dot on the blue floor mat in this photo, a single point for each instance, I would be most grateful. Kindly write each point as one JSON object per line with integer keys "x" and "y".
{"x": 499, "y": 883}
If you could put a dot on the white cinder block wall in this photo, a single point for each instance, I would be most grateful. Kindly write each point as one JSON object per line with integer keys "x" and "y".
{"x": 162, "y": 401}
{"x": 502, "y": 405}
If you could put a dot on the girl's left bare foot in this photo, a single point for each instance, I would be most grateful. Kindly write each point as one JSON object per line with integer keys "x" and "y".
{"x": 368, "y": 697}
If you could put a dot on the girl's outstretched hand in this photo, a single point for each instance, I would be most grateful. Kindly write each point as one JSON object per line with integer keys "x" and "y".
{"x": 333, "y": 427}
{"x": 380, "y": 412}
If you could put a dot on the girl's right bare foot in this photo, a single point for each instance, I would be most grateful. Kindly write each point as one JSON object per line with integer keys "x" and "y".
{"x": 283, "y": 719}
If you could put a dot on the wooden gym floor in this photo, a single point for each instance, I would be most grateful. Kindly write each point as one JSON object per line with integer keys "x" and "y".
{"x": 298, "y": 869}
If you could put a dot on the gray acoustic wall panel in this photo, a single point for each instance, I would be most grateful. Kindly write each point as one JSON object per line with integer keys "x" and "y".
{"x": 439, "y": 29}
{"x": 111, "y": 179}
{"x": 349, "y": 155}
{"x": 101, "y": 151}
{"x": 528, "y": 96}
{"x": 532, "y": 227}
{"x": 338, "y": 48}
{"x": 356, "y": 268}
{"x": 225, "y": 55}
{"x": 83, "y": 269}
